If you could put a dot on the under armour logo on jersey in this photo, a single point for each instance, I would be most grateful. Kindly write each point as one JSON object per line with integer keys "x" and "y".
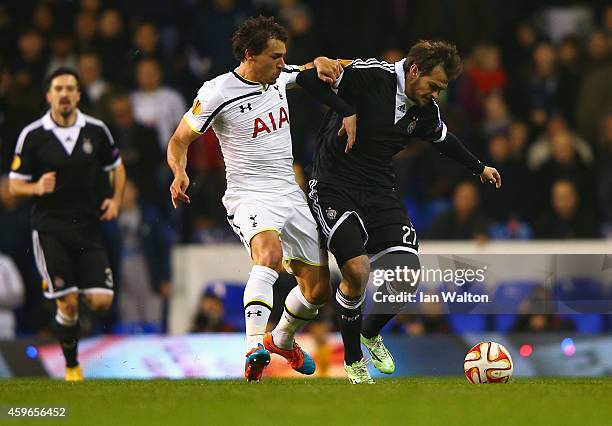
{"x": 280, "y": 95}
{"x": 252, "y": 217}
{"x": 244, "y": 108}
{"x": 402, "y": 108}
{"x": 249, "y": 313}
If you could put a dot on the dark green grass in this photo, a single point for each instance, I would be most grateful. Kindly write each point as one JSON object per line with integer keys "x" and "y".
{"x": 413, "y": 401}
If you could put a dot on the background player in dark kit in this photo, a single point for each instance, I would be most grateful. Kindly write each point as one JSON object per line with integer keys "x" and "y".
{"x": 377, "y": 111}
{"x": 63, "y": 161}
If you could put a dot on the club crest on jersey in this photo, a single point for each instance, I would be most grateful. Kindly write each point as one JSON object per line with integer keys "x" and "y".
{"x": 87, "y": 146}
{"x": 331, "y": 213}
{"x": 402, "y": 108}
{"x": 253, "y": 217}
{"x": 16, "y": 163}
{"x": 412, "y": 125}
{"x": 196, "y": 109}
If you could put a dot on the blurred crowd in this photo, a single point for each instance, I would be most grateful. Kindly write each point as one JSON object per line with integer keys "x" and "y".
{"x": 534, "y": 101}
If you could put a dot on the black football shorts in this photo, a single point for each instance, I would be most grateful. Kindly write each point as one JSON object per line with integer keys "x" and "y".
{"x": 385, "y": 224}
{"x": 72, "y": 261}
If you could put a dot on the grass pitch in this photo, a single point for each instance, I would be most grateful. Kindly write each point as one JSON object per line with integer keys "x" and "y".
{"x": 413, "y": 401}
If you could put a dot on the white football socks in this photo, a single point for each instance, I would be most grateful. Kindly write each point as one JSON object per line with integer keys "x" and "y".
{"x": 297, "y": 313}
{"x": 258, "y": 299}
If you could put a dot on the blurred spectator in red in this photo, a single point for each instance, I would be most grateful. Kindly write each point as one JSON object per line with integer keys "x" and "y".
{"x": 566, "y": 219}
{"x": 157, "y": 106}
{"x": 483, "y": 75}
{"x": 465, "y": 220}
{"x": 205, "y": 219}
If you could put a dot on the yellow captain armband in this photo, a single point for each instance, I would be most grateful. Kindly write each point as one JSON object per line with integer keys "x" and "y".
{"x": 345, "y": 62}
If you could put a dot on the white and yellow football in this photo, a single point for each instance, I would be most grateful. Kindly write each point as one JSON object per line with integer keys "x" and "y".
{"x": 488, "y": 362}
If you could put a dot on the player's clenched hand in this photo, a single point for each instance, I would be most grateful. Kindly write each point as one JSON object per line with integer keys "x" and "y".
{"x": 46, "y": 184}
{"x": 349, "y": 128}
{"x": 179, "y": 187}
{"x": 110, "y": 209}
{"x": 492, "y": 176}
{"x": 328, "y": 70}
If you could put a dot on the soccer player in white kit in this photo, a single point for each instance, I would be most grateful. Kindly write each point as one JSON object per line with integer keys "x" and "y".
{"x": 248, "y": 110}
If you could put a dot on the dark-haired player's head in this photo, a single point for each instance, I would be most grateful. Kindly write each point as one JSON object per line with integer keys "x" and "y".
{"x": 429, "y": 66}
{"x": 260, "y": 43}
{"x": 63, "y": 91}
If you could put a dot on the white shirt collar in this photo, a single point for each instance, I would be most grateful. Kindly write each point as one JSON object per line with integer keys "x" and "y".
{"x": 49, "y": 124}
{"x": 401, "y": 83}
{"x": 402, "y": 102}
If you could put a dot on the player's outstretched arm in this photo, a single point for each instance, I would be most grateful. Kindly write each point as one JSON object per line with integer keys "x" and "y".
{"x": 452, "y": 147}
{"x": 177, "y": 161}
{"x": 310, "y": 81}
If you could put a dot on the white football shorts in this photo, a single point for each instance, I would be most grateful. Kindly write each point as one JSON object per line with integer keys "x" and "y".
{"x": 288, "y": 215}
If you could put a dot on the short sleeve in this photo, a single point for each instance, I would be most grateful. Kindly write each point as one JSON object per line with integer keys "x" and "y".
{"x": 206, "y": 106}
{"x": 433, "y": 129}
{"x": 23, "y": 165}
{"x": 288, "y": 76}
{"x": 109, "y": 152}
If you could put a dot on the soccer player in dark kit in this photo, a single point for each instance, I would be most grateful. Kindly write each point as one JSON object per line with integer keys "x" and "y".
{"x": 378, "y": 109}
{"x": 64, "y": 160}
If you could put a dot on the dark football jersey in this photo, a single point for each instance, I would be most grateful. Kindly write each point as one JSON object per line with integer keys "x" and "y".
{"x": 80, "y": 155}
{"x": 387, "y": 121}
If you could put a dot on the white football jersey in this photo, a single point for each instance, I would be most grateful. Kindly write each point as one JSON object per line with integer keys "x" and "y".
{"x": 251, "y": 121}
